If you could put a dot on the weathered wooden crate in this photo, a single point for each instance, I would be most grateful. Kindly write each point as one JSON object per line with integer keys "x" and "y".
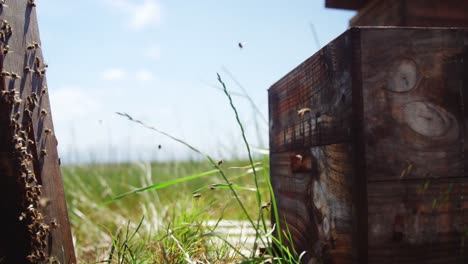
{"x": 416, "y": 13}
{"x": 35, "y": 225}
{"x": 367, "y": 141}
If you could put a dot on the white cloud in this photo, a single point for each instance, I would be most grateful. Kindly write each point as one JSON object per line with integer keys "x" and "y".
{"x": 144, "y": 75}
{"x": 142, "y": 13}
{"x": 113, "y": 74}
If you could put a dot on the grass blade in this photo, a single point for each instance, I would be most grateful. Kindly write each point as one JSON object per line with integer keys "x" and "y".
{"x": 161, "y": 185}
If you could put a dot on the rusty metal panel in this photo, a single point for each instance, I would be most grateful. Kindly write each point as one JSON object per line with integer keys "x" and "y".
{"x": 32, "y": 196}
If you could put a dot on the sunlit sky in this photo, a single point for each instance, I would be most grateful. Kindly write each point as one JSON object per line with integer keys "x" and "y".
{"x": 157, "y": 60}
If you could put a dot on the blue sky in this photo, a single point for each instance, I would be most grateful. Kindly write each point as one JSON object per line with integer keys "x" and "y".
{"x": 157, "y": 60}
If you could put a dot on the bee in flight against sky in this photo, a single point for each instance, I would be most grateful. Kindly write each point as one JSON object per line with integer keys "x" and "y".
{"x": 241, "y": 44}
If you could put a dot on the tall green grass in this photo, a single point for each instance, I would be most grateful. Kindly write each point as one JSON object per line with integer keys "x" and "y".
{"x": 159, "y": 212}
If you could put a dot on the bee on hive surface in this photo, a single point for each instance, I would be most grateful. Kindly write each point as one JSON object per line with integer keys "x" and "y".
{"x": 6, "y": 49}
{"x": 32, "y": 3}
{"x": 15, "y": 76}
{"x": 5, "y": 73}
{"x": 53, "y": 224}
{"x": 301, "y": 112}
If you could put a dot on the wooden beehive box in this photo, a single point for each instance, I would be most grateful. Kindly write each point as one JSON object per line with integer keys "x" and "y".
{"x": 368, "y": 142}
{"x": 415, "y": 13}
{"x": 35, "y": 226}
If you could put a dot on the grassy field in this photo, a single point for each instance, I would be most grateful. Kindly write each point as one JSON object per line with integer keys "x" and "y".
{"x": 174, "y": 220}
{"x": 175, "y": 212}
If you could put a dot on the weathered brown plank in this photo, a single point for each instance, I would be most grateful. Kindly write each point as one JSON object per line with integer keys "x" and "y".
{"x": 310, "y": 114}
{"x": 346, "y": 4}
{"x": 311, "y": 106}
{"x": 414, "y": 128}
{"x": 413, "y": 115}
{"x": 418, "y": 221}
{"x": 416, "y": 13}
{"x": 380, "y": 13}
{"x": 30, "y": 160}
{"x": 399, "y": 171}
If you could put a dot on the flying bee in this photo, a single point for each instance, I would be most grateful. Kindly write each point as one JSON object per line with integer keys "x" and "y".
{"x": 212, "y": 187}
{"x": 30, "y": 47}
{"x": 36, "y": 45}
{"x": 43, "y": 152}
{"x": 43, "y": 112}
{"x": 241, "y": 44}
{"x": 44, "y": 90}
{"x": 32, "y": 3}
{"x": 196, "y": 195}
{"x": 266, "y": 205}
{"x": 219, "y": 162}
{"x": 5, "y": 74}
{"x": 47, "y": 131}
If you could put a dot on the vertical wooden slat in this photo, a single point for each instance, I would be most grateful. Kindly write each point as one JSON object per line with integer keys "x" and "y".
{"x": 311, "y": 160}
{"x": 30, "y": 160}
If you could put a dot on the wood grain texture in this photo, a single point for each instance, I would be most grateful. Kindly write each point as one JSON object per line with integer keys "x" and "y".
{"x": 414, "y": 13}
{"x": 413, "y": 115}
{"x": 392, "y": 186}
{"x": 311, "y": 106}
{"x": 311, "y": 161}
{"x": 27, "y": 118}
{"x": 415, "y": 129}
